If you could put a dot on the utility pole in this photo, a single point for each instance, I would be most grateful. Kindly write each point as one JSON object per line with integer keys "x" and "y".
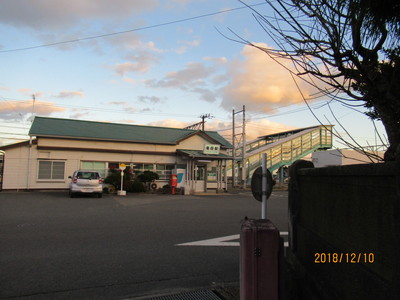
{"x": 200, "y": 125}
{"x": 238, "y": 141}
{"x": 233, "y": 150}
{"x": 244, "y": 170}
{"x": 33, "y": 106}
{"x": 203, "y": 117}
{"x": 28, "y": 173}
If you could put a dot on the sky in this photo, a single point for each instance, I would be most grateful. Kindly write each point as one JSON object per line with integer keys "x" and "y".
{"x": 153, "y": 62}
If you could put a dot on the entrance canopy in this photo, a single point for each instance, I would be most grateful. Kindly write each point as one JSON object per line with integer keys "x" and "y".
{"x": 204, "y": 171}
{"x": 199, "y": 155}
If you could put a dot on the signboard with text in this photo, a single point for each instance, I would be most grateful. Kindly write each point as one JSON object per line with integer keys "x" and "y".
{"x": 211, "y": 149}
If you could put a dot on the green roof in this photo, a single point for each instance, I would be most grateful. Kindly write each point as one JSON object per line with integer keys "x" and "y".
{"x": 78, "y": 129}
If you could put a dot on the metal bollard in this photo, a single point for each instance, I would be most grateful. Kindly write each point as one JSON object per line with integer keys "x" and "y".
{"x": 259, "y": 255}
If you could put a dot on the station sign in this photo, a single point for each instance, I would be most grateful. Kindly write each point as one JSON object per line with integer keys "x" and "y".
{"x": 211, "y": 149}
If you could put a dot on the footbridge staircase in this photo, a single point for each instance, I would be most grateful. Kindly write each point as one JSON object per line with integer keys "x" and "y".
{"x": 282, "y": 149}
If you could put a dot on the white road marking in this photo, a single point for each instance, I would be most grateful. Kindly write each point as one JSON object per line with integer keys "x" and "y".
{"x": 224, "y": 241}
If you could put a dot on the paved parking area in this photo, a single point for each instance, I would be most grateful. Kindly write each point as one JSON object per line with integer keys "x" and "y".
{"x": 55, "y": 247}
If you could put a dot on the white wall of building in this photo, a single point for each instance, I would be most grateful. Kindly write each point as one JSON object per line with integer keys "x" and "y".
{"x": 21, "y": 164}
{"x": 340, "y": 157}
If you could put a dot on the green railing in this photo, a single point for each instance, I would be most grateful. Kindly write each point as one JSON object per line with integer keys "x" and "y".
{"x": 287, "y": 150}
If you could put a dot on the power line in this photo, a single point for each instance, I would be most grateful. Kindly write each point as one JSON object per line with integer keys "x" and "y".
{"x": 300, "y": 109}
{"x": 253, "y": 125}
{"x": 130, "y": 30}
{"x": 105, "y": 109}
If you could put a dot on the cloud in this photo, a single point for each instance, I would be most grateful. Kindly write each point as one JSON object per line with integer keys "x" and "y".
{"x": 205, "y": 94}
{"x": 57, "y": 22}
{"x": 261, "y": 83}
{"x": 79, "y": 115}
{"x": 257, "y": 128}
{"x": 202, "y": 78}
{"x": 15, "y": 110}
{"x": 129, "y": 121}
{"x": 127, "y": 67}
{"x": 118, "y": 103}
{"x": 149, "y": 99}
{"x": 186, "y": 45}
{"x": 49, "y": 14}
{"x": 122, "y": 69}
{"x": 126, "y": 106}
{"x": 194, "y": 74}
{"x": 140, "y": 58}
{"x": 130, "y": 80}
{"x": 30, "y": 92}
{"x": 217, "y": 60}
{"x": 70, "y": 94}
{"x": 61, "y": 95}
{"x": 169, "y": 123}
{"x": 254, "y": 128}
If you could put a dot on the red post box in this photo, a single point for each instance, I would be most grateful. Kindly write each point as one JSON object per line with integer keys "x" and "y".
{"x": 173, "y": 180}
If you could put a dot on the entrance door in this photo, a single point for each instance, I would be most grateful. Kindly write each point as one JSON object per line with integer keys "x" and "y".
{"x": 200, "y": 179}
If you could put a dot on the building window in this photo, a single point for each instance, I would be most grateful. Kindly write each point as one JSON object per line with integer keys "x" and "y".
{"x": 51, "y": 170}
{"x": 101, "y": 167}
{"x": 164, "y": 171}
{"x": 212, "y": 175}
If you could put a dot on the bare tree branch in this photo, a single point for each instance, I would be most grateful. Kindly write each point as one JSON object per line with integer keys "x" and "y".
{"x": 343, "y": 49}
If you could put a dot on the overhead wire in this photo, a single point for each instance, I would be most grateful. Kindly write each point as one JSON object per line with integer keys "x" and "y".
{"x": 248, "y": 121}
{"x": 131, "y": 30}
{"x": 140, "y": 29}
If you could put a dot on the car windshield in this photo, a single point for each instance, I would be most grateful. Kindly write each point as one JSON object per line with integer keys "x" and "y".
{"x": 87, "y": 175}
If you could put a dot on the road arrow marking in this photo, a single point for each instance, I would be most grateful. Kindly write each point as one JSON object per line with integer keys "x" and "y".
{"x": 223, "y": 241}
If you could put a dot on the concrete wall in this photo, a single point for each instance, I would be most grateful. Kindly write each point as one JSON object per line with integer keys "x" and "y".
{"x": 345, "y": 210}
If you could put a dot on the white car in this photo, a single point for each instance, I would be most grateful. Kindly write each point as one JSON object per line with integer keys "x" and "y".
{"x": 86, "y": 182}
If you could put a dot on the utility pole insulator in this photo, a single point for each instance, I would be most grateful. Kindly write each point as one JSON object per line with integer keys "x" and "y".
{"x": 203, "y": 117}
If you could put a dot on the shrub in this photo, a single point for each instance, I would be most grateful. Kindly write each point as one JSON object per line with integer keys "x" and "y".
{"x": 148, "y": 176}
{"x": 136, "y": 186}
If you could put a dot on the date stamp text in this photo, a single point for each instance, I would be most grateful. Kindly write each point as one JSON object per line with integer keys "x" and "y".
{"x": 347, "y": 258}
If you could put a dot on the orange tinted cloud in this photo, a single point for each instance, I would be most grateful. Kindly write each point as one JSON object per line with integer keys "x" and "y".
{"x": 254, "y": 129}
{"x": 70, "y": 94}
{"x": 18, "y": 109}
{"x": 257, "y": 128}
{"x": 169, "y": 123}
{"x": 261, "y": 83}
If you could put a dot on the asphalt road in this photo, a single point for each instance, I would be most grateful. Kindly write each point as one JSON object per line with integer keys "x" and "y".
{"x": 55, "y": 247}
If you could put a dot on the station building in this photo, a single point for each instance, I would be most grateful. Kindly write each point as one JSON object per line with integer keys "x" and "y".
{"x": 58, "y": 147}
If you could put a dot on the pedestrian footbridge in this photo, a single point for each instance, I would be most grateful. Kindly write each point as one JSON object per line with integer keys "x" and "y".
{"x": 282, "y": 149}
